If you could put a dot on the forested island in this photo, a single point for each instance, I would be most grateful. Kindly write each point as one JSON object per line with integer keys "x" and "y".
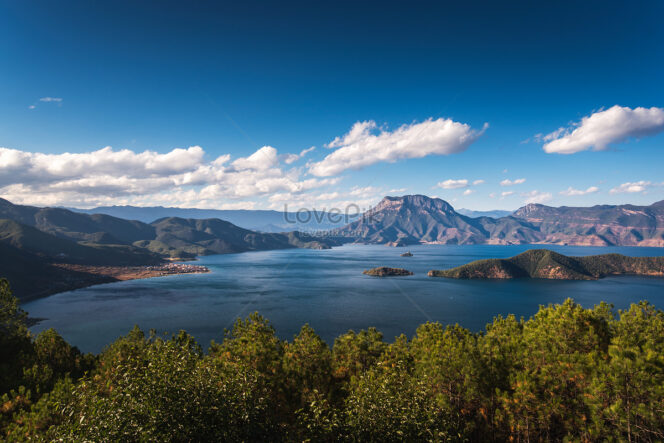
{"x": 384, "y": 271}
{"x": 567, "y": 373}
{"x": 543, "y": 263}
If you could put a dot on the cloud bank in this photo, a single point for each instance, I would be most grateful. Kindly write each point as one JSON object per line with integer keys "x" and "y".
{"x": 365, "y": 144}
{"x": 603, "y": 128}
{"x": 179, "y": 177}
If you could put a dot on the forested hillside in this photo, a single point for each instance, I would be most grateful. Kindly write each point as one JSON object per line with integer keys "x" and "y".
{"x": 567, "y": 373}
{"x": 543, "y": 263}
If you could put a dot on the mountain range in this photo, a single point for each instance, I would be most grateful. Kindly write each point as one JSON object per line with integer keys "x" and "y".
{"x": 255, "y": 220}
{"x": 36, "y": 242}
{"x": 415, "y": 219}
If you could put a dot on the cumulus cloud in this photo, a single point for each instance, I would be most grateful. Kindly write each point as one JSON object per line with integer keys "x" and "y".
{"x": 631, "y": 187}
{"x": 574, "y": 192}
{"x": 468, "y": 191}
{"x": 478, "y": 182}
{"x": 508, "y": 182}
{"x": 453, "y": 184}
{"x": 506, "y": 194}
{"x": 537, "y": 197}
{"x": 292, "y": 158}
{"x": 51, "y": 99}
{"x": 366, "y": 144}
{"x": 180, "y": 177}
{"x": 603, "y": 128}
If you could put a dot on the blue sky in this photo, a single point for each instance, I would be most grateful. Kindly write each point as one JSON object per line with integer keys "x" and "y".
{"x": 230, "y": 79}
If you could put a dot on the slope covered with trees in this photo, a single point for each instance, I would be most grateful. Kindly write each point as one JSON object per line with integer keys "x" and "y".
{"x": 543, "y": 263}
{"x": 567, "y": 373}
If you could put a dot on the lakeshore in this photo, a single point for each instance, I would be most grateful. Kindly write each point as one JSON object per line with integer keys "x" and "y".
{"x": 123, "y": 273}
{"x": 75, "y": 276}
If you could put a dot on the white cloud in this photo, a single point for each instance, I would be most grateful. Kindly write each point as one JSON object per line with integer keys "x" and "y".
{"x": 478, "y": 182}
{"x": 631, "y": 187}
{"x": 180, "y": 177}
{"x": 31, "y": 107}
{"x": 397, "y": 190}
{"x": 506, "y": 194}
{"x": 363, "y": 191}
{"x": 292, "y": 158}
{"x": 573, "y": 192}
{"x": 603, "y": 128}
{"x": 264, "y": 158}
{"x": 51, "y": 99}
{"x": 537, "y": 197}
{"x": 453, "y": 184}
{"x": 365, "y": 145}
{"x": 508, "y": 182}
{"x": 468, "y": 191}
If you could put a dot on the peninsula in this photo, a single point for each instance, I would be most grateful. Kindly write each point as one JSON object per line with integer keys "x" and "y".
{"x": 543, "y": 263}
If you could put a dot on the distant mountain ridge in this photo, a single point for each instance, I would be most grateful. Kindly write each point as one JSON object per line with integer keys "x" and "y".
{"x": 414, "y": 219}
{"x": 496, "y": 213}
{"x": 166, "y": 237}
{"x": 253, "y": 219}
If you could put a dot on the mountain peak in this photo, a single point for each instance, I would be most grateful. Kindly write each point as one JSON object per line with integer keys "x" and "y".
{"x": 529, "y": 209}
{"x": 415, "y": 201}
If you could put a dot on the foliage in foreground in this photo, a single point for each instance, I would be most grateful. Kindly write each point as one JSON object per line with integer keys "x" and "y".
{"x": 568, "y": 373}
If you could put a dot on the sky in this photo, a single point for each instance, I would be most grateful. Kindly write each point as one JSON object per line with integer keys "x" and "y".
{"x": 289, "y": 105}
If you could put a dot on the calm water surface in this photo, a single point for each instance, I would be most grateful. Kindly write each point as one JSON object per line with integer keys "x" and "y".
{"x": 327, "y": 290}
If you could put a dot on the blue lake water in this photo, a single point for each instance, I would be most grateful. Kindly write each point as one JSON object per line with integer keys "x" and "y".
{"x": 327, "y": 290}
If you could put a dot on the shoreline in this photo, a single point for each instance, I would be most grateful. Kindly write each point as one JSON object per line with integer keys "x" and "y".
{"x": 124, "y": 273}
{"x": 91, "y": 275}
{"x": 84, "y": 276}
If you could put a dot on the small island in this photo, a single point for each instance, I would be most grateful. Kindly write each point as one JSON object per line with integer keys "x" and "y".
{"x": 384, "y": 271}
{"x": 407, "y": 254}
{"x": 546, "y": 264}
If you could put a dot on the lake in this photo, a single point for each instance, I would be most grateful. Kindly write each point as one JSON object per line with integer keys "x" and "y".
{"x": 327, "y": 290}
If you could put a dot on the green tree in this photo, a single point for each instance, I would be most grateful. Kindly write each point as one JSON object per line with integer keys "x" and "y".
{"x": 354, "y": 353}
{"x": 550, "y": 396}
{"x": 447, "y": 360}
{"x": 15, "y": 341}
{"x": 631, "y": 385}
{"x": 167, "y": 391}
{"x": 388, "y": 403}
{"x": 307, "y": 365}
